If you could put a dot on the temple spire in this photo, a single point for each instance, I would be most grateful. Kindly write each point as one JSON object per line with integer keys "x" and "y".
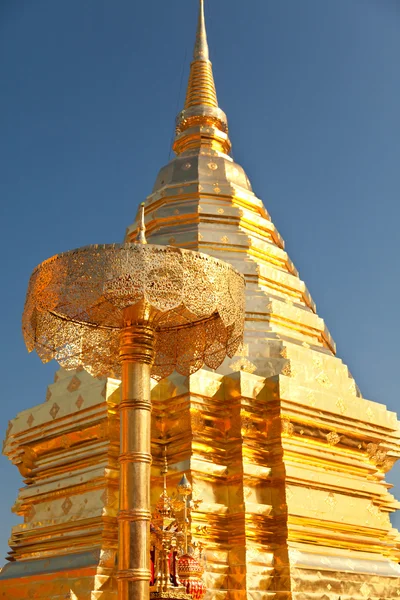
{"x": 202, "y": 122}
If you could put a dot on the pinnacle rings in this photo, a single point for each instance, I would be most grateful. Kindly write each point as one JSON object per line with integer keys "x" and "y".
{"x": 203, "y": 114}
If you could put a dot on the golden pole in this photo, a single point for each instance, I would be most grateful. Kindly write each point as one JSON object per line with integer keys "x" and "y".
{"x": 136, "y": 356}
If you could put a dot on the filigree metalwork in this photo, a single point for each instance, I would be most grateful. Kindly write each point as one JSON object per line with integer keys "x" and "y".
{"x": 76, "y": 301}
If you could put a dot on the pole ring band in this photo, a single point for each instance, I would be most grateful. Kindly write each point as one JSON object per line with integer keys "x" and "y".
{"x": 135, "y": 404}
{"x": 134, "y": 514}
{"x": 134, "y": 457}
{"x": 134, "y": 575}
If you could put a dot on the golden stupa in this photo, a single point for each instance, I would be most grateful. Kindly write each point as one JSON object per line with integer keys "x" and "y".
{"x": 287, "y": 456}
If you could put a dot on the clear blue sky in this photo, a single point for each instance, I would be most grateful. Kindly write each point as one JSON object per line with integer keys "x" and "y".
{"x": 311, "y": 88}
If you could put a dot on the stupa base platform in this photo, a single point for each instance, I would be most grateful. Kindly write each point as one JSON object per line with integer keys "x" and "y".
{"x": 79, "y": 577}
{"x": 73, "y": 576}
{"x": 295, "y": 496}
{"x": 352, "y": 578}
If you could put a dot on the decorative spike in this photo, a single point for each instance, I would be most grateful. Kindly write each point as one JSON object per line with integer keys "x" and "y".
{"x": 164, "y": 471}
{"x": 201, "y": 45}
{"x": 184, "y": 487}
{"x": 201, "y": 88}
{"x": 141, "y": 235}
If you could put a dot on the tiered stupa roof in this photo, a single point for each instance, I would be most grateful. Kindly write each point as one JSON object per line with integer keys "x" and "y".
{"x": 204, "y": 201}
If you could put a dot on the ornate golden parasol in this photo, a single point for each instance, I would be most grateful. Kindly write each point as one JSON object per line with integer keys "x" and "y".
{"x": 134, "y": 311}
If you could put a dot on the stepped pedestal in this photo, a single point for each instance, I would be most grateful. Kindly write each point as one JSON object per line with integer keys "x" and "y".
{"x": 295, "y": 502}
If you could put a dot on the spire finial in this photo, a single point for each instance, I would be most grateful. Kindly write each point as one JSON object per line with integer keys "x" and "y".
{"x": 205, "y": 123}
{"x": 201, "y": 45}
{"x": 201, "y": 87}
{"x": 141, "y": 235}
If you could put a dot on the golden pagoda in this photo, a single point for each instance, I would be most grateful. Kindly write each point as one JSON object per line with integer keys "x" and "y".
{"x": 287, "y": 456}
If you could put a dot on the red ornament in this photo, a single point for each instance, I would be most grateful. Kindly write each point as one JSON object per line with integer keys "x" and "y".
{"x": 190, "y": 574}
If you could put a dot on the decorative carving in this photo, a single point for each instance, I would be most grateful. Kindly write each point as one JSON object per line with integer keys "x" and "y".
{"x": 365, "y": 589}
{"x": 331, "y": 500}
{"x": 30, "y": 513}
{"x": 324, "y": 380}
{"x": 74, "y": 384}
{"x": 370, "y": 414}
{"x": 54, "y": 410}
{"x": 66, "y": 505}
{"x": 341, "y": 405}
{"x": 333, "y": 438}
{"x": 317, "y": 361}
{"x": 311, "y": 398}
{"x": 108, "y": 497}
{"x": 377, "y": 455}
{"x": 197, "y": 420}
{"x": 287, "y": 370}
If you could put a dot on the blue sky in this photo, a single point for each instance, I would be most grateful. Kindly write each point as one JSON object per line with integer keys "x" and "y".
{"x": 311, "y": 88}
